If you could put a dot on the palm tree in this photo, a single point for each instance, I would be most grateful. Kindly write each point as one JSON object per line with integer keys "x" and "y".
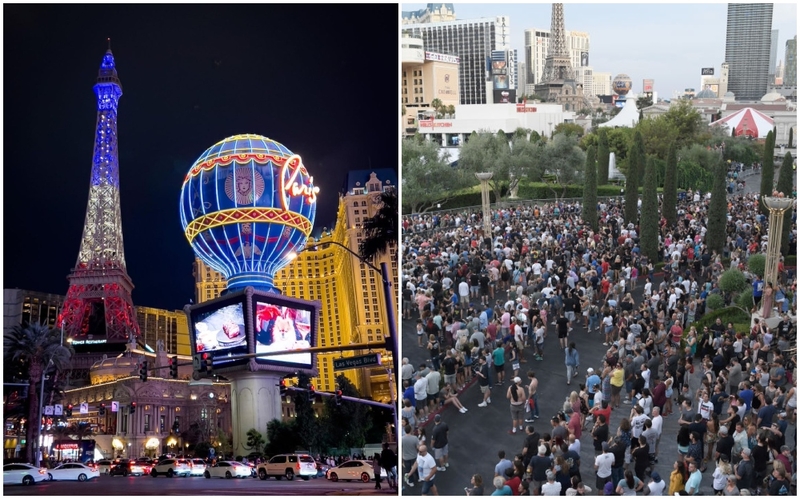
{"x": 436, "y": 104}
{"x": 380, "y": 231}
{"x": 37, "y": 346}
{"x": 451, "y": 110}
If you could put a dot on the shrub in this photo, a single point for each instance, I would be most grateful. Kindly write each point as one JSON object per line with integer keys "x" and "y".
{"x": 715, "y": 302}
{"x": 732, "y": 281}
{"x": 756, "y": 263}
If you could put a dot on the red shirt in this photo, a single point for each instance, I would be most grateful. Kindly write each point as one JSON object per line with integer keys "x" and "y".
{"x": 575, "y": 424}
{"x": 606, "y": 412}
{"x": 514, "y": 484}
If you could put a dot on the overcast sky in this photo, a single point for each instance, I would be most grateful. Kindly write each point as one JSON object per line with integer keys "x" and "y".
{"x": 666, "y": 42}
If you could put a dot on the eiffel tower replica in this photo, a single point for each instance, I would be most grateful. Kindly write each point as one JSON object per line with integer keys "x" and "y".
{"x": 98, "y": 314}
{"x": 558, "y": 80}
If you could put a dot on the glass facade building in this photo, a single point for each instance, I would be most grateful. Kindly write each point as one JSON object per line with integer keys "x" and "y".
{"x": 747, "y": 49}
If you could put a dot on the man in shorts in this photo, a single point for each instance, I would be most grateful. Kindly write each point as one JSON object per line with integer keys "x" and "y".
{"x": 499, "y": 361}
{"x": 425, "y": 466}
{"x": 483, "y": 381}
{"x": 439, "y": 442}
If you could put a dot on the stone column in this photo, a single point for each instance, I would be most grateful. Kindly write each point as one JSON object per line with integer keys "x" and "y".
{"x": 255, "y": 401}
{"x": 777, "y": 207}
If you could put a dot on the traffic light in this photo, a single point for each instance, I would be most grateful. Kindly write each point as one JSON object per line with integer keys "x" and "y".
{"x": 68, "y": 411}
{"x": 208, "y": 361}
{"x": 338, "y": 397}
{"x": 102, "y": 410}
{"x": 198, "y": 363}
{"x": 173, "y": 367}
{"x": 311, "y": 393}
{"x": 282, "y": 386}
{"x": 132, "y": 409}
{"x": 143, "y": 370}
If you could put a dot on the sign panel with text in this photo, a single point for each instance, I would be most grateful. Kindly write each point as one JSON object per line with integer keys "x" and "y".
{"x": 372, "y": 359}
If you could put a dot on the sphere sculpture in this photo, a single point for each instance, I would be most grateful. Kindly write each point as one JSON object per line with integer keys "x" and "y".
{"x": 622, "y": 84}
{"x": 247, "y": 206}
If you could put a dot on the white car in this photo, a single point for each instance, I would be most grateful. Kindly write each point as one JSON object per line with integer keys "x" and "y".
{"x": 289, "y": 466}
{"x": 172, "y": 467}
{"x": 104, "y": 466}
{"x": 25, "y": 474}
{"x": 72, "y": 471}
{"x": 198, "y": 467}
{"x": 227, "y": 469}
{"x": 353, "y": 470}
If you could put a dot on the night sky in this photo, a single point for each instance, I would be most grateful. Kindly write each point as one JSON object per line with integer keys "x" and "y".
{"x": 322, "y": 80}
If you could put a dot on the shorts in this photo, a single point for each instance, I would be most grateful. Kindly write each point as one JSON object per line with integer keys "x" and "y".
{"x": 615, "y": 390}
{"x": 499, "y": 369}
{"x": 562, "y": 335}
{"x": 517, "y": 411}
{"x": 449, "y": 379}
{"x": 440, "y": 453}
{"x": 427, "y": 486}
{"x": 474, "y": 289}
{"x": 433, "y": 398}
{"x": 570, "y": 316}
{"x": 608, "y": 329}
{"x": 486, "y": 389}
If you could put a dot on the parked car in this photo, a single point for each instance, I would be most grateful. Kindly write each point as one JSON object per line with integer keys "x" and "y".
{"x": 22, "y": 473}
{"x": 104, "y": 466}
{"x": 73, "y": 471}
{"x": 355, "y": 469}
{"x": 198, "y": 467}
{"x": 289, "y": 466}
{"x": 126, "y": 467}
{"x": 227, "y": 469}
{"x": 171, "y": 467}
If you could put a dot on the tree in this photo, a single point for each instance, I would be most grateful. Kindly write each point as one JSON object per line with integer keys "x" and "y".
{"x": 380, "y": 230}
{"x": 589, "y": 213}
{"x": 602, "y": 157}
{"x": 791, "y": 137}
{"x": 635, "y": 166}
{"x": 644, "y": 101}
{"x": 436, "y": 104}
{"x": 757, "y": 263}
{"x": 521, "y": 133}
{"x": 669, "y": 200}
{"x": 785, "y": 185}
{"x": 520, "y": 162}
{"x": 281, "y": 438}
{"x": 348, "y": 424}
{"x": 767, "y": 170}
{"x": 485, "y": 153}
{"x": 451, "y": 111}
{"x": 428, "y": 178}
{"x": 38, "y": 346}
{"x": 650, "y": 218}
{"x": 535, "y": 137}
{"x": 731, "y": 283}
{"x": 570, "y": 129}
{"x": 717, "y": 209}
{"x": 255, "y": 440}
{"x": 562, "y": 161}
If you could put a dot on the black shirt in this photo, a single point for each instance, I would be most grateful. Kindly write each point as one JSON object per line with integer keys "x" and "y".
{"x": 725, "y": 445}
{"x": 439, "y": 435}
{"x": 642, "y": 457}
{"x": 760, "y": 456}
{"x": 562, "y": 324}
{"x": 600, "y": 435}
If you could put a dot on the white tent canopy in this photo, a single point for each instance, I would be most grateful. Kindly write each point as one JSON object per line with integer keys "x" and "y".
{"x": 748, "y": 121}
{"x": 628, "y": 117}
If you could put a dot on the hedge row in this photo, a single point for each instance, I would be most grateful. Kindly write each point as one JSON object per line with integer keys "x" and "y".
{"x": 531, "y": 191}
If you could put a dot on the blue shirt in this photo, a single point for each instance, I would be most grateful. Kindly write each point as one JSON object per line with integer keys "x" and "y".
{"x": 747, "y": 396}
{"x": 505, "y": 491}
{"x": 694, "y": 482}
{"x": 758, "y": 288}
{"x": 591, "y": 381}
{"x": 499, "y": 356}
{"x": 409, "y": 394}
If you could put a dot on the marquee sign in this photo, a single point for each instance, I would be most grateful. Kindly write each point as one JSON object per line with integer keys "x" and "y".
{"x": 433, "y": 56}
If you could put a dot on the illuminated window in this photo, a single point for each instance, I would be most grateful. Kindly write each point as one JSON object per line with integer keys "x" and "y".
{"x": 147, "y": 422}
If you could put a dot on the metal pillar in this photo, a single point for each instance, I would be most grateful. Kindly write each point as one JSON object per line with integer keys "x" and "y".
{"x": 777, "y": 207}
{"x": 487, "y": 215}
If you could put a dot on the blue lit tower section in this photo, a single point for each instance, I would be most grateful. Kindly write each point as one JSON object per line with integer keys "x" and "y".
{"x": 98, "y": 308}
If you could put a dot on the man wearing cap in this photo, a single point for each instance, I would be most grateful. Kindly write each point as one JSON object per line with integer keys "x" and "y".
{"x": 603, "y": 464}
{"x": 657, "y": 485}
{"x": 724, "y": 444}
{"x": 592, "y": 384}
{"x": 744, "y": 471}
{"x": 439, "y": 442}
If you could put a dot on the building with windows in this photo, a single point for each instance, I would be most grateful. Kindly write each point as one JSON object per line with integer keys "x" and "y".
{"x": 425, "y": 77}
{"x": 747, "y": 49}
{"x": 432, "y": 13}
{"x": 171, "y": 328}
{"x": 472, "y": 40}
{"x": 790, "y": 68}
{"x": 601, "y": 83}
{"x": 537, "y": 44}
{"x": 21, "y": 306}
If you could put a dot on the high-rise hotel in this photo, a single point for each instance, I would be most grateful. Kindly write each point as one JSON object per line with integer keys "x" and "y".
{"x": 747, "y": 49}
{"x": 353, "y": 304}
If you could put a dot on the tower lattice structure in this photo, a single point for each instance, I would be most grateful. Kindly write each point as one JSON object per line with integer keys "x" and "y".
{"x": 557, "y": 65}
{"x": 98, "y": 304}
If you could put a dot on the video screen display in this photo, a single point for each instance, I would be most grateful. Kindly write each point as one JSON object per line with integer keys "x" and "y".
{"x": 219, "y": 329}
{"x": 281, "y": 328}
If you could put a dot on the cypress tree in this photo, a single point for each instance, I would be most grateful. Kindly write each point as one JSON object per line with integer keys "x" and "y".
{"x": 767, "y": 169}
{"x": 649, "y": 220}
{"x": 589, "y": 213}
{"x": 785, "y": 185}
{"x": 670, "y": 199}
{"x": 791, "y": 136}
{"x": 636, "y": 159}
{"x": 602, "y": 157}
{"x": 733, "y": 131}
{"x": 717, "y": 209}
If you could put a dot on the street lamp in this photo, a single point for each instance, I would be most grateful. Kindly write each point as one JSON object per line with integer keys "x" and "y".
{"x": 390, "y": 310}
{"x": 777, "y": 205}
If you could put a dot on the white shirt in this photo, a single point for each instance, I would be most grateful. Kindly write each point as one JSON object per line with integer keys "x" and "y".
{"x": 604, "y": 462}
{"x": 637, "y": 425}
{"x": 551, "y": 489}
{"x": 446, "y": 283}
{"x": 463, "y": 288}
{"x": 647, "y": 404}
{"x": 657, "y": 489}
{"x": 646, "y": 377}
{"x": 425, "y": 464}
{"x": 421, "y": 389}
{"x": 648, "y": 288}
{"x": 705, "y": 409}
{"x": 537, "y": 268}
{"x": 658, "y": 423}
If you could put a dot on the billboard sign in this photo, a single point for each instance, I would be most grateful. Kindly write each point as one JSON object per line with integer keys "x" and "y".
{"x": 219, "y": 328}
{"x": 500, "y": 81}
{"x": 584, "y": 59}
{"x": 283, "y": 324}
{"x": 707, "y": 72}
{"x": 499, "y": 67}
{"x": 433, "y": 56}
{"x": 647, "y": 86}
{"x": 505, "y": 96}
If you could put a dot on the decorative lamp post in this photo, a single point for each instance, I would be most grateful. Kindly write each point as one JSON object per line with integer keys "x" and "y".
{"x": 487, "y": 216}
{"x": 777, "y": 205}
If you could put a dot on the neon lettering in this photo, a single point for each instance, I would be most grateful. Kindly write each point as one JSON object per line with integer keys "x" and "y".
{"x": 293, "y": 187}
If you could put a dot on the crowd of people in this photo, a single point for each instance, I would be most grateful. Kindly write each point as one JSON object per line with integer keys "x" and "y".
{"x": 484, "y": 305}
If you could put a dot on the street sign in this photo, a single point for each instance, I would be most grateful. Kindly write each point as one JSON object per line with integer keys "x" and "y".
{"x": 114, "y": 406}
{"x": 58, "y": 410}
{"x": 84, "y": 408}
{"x": 371, "y": 359}
{"x": 48, "y": 410}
